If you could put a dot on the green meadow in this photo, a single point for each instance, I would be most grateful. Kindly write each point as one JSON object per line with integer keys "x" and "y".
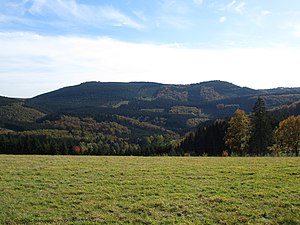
{"x": 148, "y": 190}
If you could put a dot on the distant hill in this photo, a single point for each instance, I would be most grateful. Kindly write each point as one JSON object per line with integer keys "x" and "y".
{"x": 284, "y": 111}
{"x": 97, "y": 94}
{"x": 144, "y": 107}
{"x": 6, "y": 101}
{"x": 172, "y": 107}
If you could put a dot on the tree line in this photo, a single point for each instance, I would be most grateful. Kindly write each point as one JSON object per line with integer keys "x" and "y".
{"x": 80, "y": 142}
{"x": 243, "y": 134}
{"x": 253, "y": 135}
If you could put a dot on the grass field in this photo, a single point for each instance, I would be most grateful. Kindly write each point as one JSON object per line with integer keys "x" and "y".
{"x": 148, "y": 190}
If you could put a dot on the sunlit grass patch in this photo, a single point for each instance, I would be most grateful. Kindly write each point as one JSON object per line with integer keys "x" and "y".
{"x": 148, "y": 190}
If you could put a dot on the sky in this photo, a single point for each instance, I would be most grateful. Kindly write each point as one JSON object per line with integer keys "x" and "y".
{"x": 50, "y": 44}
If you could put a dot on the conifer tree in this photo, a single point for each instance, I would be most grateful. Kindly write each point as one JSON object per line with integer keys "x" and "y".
{"x": 261, "y": 130}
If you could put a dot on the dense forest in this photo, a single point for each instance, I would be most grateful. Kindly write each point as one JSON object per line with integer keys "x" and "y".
{"x": 255, "y": 134}
{"x": 146, "y": 119}
{"x": 76, "y": 142}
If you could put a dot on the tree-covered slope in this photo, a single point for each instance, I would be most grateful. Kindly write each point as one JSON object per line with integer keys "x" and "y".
{"x": 93, "y": 94}
{"x": 114, "y": 95}
{"x": 18, "y": 112}
{"x": 171, "y": 107}
{"x": 15, "y": 115}
{"x": 6, "y": 101}
{"x": 150, "y": 107}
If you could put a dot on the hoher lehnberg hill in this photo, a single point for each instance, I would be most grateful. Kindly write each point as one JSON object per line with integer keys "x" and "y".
{"x": 141, "y": 106}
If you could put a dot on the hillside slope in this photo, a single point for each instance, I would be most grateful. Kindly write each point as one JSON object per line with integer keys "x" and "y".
{"x": 146, "y": 107}
{"x": 114, "y": 95}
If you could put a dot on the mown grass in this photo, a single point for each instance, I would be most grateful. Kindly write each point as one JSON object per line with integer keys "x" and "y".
{"x": 148, "y": 190}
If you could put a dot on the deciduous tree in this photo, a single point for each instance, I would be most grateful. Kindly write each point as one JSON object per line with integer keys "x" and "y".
{"x": 237, "y": 134}
{"x": 288, "y": 135}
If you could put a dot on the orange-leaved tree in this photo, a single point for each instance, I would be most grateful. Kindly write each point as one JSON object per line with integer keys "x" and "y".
{"x": 287, "y": 135}
{"x": 238, "y": 133}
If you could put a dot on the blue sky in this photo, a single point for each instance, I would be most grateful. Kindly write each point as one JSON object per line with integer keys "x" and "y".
{"x": 48, "y": 44}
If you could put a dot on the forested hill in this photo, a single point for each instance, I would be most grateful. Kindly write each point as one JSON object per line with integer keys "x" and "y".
{"x": 114, "y": 95}
{"x": 211, "y": 99}
{"x": 142, "y": 107}
{"x": 137, "y": 118}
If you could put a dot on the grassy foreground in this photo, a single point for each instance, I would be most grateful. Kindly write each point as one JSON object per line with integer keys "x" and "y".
{"x": 152, "y": 190}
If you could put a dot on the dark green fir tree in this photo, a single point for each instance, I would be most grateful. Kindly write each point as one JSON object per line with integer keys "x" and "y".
{"x": 261, "y": 130}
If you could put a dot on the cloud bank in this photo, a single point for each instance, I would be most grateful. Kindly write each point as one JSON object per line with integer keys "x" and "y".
{"x": 33, "y": 64}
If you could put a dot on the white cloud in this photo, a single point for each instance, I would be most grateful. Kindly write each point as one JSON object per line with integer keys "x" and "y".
{"x": 174, "y": 7}
{"x": 140, "y": 14}
{"x": 235, "y": 6}
{"x": 37, "y": 6}
{"x": 265, "y": 13}
{"x": 14, "y": 19}
{"x": 31, "y": 64}
{"x": 240, "y": 7}
{"x": 72, "y": 12}
{"x": 222, "y": 19}
{"x": 116, "y": 17}
{"x": 173, "y": 14}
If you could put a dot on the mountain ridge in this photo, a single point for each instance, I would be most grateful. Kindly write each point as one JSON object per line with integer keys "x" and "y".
{"x": 149, "y": 106}
{"x": 263, "y": 90}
